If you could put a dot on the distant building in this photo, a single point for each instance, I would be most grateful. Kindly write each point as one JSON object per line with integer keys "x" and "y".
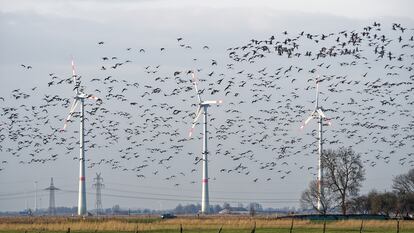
{"x": 234, "y": 210}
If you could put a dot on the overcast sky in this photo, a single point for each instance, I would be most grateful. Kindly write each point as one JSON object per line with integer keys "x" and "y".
{"x": 46, "y": 34}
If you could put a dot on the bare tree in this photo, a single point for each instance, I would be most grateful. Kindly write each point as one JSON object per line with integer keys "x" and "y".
{"x": 405, "y": 204}
{"x": 360, "y": 205}
{"x": 309, "y": 198}
{"x": 344, "y": 174}
{"x": 404, "y": 183}
{"x": 382, "y": 203}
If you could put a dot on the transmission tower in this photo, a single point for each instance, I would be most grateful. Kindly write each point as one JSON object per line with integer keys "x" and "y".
{"x": 98, "y": 185}
{"x": 52, "y": 188}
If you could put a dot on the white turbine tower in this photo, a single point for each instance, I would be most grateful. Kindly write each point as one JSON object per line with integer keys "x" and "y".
{"x": 318, "y": 113}
{"x": 202, "y": 108}
{"x": 80, "y": 98}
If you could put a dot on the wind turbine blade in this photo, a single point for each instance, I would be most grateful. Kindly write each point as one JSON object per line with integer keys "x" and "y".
{"x": 197, "y": 111}
{"x": 74, "y": 78}
{"x": 317, "y": 93}
{"x": 198, "y": 114}
{"x": 213, "y": 102}
{"x": 72, "y": 109}
{"x": 307, "y": 120}
{"x": 321, "y": 113}
{"x": 195, "y": 86}
{"x": 190, "y": 134}
{"x": 73, "y": 71}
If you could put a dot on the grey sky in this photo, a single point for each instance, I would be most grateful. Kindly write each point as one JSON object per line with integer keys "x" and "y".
{"x": 45, "y": 34}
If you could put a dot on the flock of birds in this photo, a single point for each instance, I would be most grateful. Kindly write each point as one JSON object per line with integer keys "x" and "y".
{"x": 268, "y": 87}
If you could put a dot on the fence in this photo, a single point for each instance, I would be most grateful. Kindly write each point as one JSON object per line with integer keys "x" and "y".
{"x": 253, "y": 230}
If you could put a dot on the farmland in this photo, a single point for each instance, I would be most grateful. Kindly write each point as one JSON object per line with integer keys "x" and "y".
{"x": 229, "y": 224}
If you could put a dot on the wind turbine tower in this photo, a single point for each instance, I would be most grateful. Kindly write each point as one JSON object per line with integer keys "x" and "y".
{"x": 202, "y": 109}
{"x": 319, "y": 114}
{"x": 52, "y": 188}
{"x": 80, "y": 98}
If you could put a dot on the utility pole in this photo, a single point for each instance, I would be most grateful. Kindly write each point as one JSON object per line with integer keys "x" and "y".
{"x": 26, "y": 207}
{"x": 35, "y": 200}
{"x": 98, "y": 185}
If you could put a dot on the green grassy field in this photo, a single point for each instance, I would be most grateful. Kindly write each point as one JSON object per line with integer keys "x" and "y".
{"x": 229, "y": 224}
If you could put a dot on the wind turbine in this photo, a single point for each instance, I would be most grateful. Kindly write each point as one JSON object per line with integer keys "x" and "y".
{"x": 202, "y": 108}
{"x": 320, "y": 115}
{"x": 80, "y": 98}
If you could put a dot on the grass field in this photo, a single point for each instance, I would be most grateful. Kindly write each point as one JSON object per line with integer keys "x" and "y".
{"x": 229, "y": 224}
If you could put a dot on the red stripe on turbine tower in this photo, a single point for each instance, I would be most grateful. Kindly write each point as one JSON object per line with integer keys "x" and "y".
{"x": 205, "y": 180}
{"x": 82, "y": 178}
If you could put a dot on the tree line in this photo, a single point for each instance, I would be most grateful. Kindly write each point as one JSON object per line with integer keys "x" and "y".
{"x": 343, "y": 173}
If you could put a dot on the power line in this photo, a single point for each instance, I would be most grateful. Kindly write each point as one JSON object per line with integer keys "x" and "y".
{"x": 21, "y": 196}
{"x": 167, "y": 197}
{"x": 230, "y": 200}
{"x": 192, "y": 190}
{"x": 17, "y": 193}
{"x": 222, "y": 198}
